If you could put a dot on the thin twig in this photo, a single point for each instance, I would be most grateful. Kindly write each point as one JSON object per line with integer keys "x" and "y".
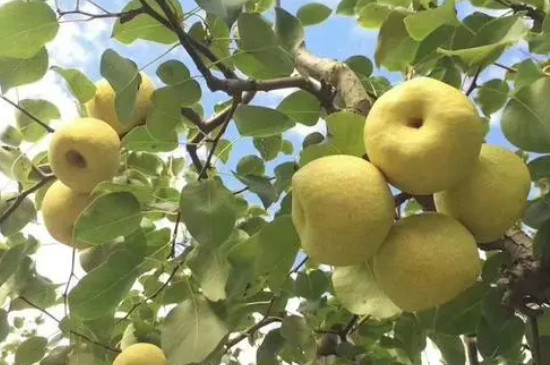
{"x": 21, "y": 197}
{"x": 346, "y": 330}
{"x": 507, "y": 68}
{"x": 181, "y": 261}
{"x": 78, "y": 334}
{"x": 251, "y": 331}
{"x": 248, "y": 188}
{"x": 28, "y": 114}
{"x": 474, "y": 85}
{"x": 175, "y": 236}
{"x": 67, "y": 286}
{"x": 236, "y": 101}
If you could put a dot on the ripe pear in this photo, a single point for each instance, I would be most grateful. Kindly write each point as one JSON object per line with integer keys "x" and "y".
{"x": 61, "y": 208}
{"x": 342, "y": 209}
{"x": 102, "y": 106}
{"x": 492, "y": 198}
{"x": 424, "y": 135}
{"x": 427, "y": 260}
{"x": 85, "y": 153}
{"x": 141, "y": 354}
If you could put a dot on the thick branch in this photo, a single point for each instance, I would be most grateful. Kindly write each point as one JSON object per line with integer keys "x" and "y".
{"x": 339, "y": 75}
{"x": 471, "y": 350}
{"x": 21, "y": 197}
{"x": 28, "y": 114}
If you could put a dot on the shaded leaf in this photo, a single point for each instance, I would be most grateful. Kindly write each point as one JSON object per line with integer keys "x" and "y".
{"x": 31, "y": 350}
{"x": 302, "y": 107}
{"x": 15, "y": 72}
{"x": 258, "y": 121}
{"x": 313, "y": 13}
{"x": 79, "y": 84}
{"x": 43, "y": 110}
{"x": 139, "y": 139}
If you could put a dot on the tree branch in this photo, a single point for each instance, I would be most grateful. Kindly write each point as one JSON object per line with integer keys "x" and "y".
{"x": 536, "y": 352}
{"x": 28, "y": 114}
{"x": 78, "y": 334}
{"x": 339, "y": 75}
{"x": 236, "y": 101}
{"x": 473, "y": 84}
{"x": 21, "y": 197}
{"x": 251, "y": 331}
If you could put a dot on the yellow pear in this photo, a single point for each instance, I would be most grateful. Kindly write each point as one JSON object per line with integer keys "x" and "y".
{"x": 342, "y": 209}
{"x": 492, "y": 198}
{"x": 85, "y": 153}
{"x": 427, "y": 260}
{"x": 141, "y": 354}
{"x": 424, "y": 135}
{"x": 102, "y": 106}
{"x": 61, "y": 208}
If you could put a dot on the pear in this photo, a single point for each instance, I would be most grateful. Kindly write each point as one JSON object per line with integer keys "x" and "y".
{"x": 102, "y": 106}
{"x": 85, "y": 153}
{"x": 342, "y": 209}
{"x": 424, "y": 135}
{"x": 61, "y": 208}
{"x": 94, "y": 256}
{"x": 141, "y": 354}
{"x": 492, "y": 198}
{"x": 427, "y": 260}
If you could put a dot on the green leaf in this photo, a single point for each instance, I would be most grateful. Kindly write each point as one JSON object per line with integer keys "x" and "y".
{"x": 411, "y": 336}
{"x": 459, "y": 316}
{"x": 139, "y": 139}
{"x": 211, "y": 268}
{"x": 346, "y": 7}
{"x": 228, "y": 11}
{"x": 144, "y": 27}
{"x": 43, "y": 110}
{"x": 192, "y": 331}
{"x": 258, "y": 39}
{"x": 540, "y": 43}
{"x": 99, "y": 292}
{"x": 217, "y": 36}
{"x": 396, "y": 49}
{"x": 421, "y": 24}
{"x": 108, "y": 217}
{"x": 288, "y": 29}
{"x": 31, "y": 350}
{"x": 223, "y": 150}
{"x": 173, "y": 72}
{"x": 269, "y": 147}
{"x": 271, "y": 345}
{"x": 311, "y": 285}
{"x": 259, "y": 6}
{"x": 9, "y": 262}
{"x": 283, "y": 174}
{"x": 260, "y": 185}
{"x": 497, "y": 338}
{"x": 527, "y": 73}
{"x": 451, "y": 348}
{"x": 301, "y": 107}
{"x": 271, "y": 251}
{"x": 526, "y": 118}
{"x": 447, "y": 71}
{"x": 123, "y": 76}
{"x": 491, "y": 39}
{"x": 209, "y": 211}
{"x": 25, "y": 27}
{"x": 361, "y": 65}
{"x": 373, "y": 15}
{"x": 4, "y": 325}
{"x": 148, "y": 163}
{"x": 300, "y": 340}
{"x": 357, "y": 289}
{"x": 538, "y": 212}
{"x": 79, "y": 84}
{"x": 11, "y": 136}
{"x": 345, "y": 136}
{"x": 250, "y": 165}
{"x": 287, "y": 147}
{"x": 259, "y": 121}
{"x": 15, "y": 72}
{"x": 21, "y": 216}
{"x": 313, "y": 13}
{"x": 494, "y": 265}
{"x": 492, "y": 95}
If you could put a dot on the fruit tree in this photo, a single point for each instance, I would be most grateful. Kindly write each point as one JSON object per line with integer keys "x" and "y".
{"x": 235, "y": 182}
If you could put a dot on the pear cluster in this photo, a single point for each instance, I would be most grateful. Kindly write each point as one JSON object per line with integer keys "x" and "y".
{"x": 422, "y": 137}
{"x": 85, "y": 153}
